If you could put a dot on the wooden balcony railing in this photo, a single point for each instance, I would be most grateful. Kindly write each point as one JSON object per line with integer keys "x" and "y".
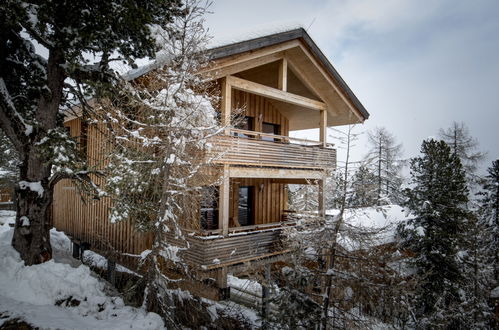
{"x": 260, "y": 149}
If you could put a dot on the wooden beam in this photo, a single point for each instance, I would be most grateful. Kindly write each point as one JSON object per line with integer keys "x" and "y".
{"x": 274, "y": 93}
{"x": 226, "y": 104}
{"x": 273, "y": 173}
{"x": 224, "y": 63}
{"x": 323, "y": 128}
{"x": 322, "y": 197}
{"x": 282, "y": 83}
{"x": 221, "y": 71}
{"x": 223, "y": 205}
{"x": 332, "y": 82}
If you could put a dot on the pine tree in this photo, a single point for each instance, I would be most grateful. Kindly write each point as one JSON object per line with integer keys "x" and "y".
{"x": 465, "y": 147}
{"x": 435, "y": 235}
{"x": 77, "y": 41}
{"x": 489, "y": 227}
{"x": 364, "y": 188}
{"x": 384, "y": 158}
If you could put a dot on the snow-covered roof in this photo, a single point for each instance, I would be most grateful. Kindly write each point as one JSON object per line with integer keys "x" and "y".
{"x": 238, "y": 45}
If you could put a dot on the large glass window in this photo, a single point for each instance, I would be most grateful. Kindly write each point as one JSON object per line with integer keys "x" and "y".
{"x": 245, "y": 207}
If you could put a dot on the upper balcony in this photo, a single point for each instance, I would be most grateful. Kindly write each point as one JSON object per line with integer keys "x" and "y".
{"x": 243, "y": 147}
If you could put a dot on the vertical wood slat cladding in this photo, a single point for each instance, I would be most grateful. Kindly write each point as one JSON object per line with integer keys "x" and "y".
{"x": 269, "y": 201}
{"x": 88, "y": 221}
{"x": 254, "y": 106}
{"x": 269, "y": 198}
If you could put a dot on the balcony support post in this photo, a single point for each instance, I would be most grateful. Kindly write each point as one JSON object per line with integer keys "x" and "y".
{"x": 322, "y": 197}
{"x": 282, "y": 79}
{"x": 226, "y": 105}
{"x": 223, "y": 205}
{"x": 323, "y": 128}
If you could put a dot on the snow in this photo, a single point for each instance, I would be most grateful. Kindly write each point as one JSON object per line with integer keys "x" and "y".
{"x": 7, "y": 217}
{"x": 33, "y": 186}
{"x": 385, "y": 219}
{"x": 495, "y": 293}
{"x": 60, "y": 294}
{"x": 25, "y": 221}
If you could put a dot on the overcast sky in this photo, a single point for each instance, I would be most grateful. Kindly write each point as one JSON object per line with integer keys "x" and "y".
{"x": 415, "y": 65}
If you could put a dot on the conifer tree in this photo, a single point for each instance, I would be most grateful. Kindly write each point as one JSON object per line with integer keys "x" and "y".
{"x": 435, "y": 235}
{"x": 465, "y": 147}
{"x": 489, "y": 226}
{"x": 76, "y": 42}
{"x": 384, "y": 158}
{"x": 364, "y": 188}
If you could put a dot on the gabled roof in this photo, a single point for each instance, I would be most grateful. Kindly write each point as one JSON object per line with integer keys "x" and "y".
{"x": 253, "y": 44}
{"x": 277, "y": 38}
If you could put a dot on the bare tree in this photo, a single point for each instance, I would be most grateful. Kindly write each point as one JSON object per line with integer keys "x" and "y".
{"x": 465, "y": 147}
{"x": 384, "y": 157}
{"x": 158, "y": 163}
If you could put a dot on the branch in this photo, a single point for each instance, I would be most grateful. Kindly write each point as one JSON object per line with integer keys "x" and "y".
{"x": 7, "y": 110}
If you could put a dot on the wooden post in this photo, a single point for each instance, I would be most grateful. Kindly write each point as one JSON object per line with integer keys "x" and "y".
{"x": 282, "y": 82}
{"x": 323, "y": 128}
{"x": 111, "y": 271}
{"x": 76, "y": 250}
{"x": 223, "y": 205}
{"x": 226, "y": 105}
{"x": 266, "y": 292}
{"x": 222, "y": 283}
{"x": 322, "y": 197}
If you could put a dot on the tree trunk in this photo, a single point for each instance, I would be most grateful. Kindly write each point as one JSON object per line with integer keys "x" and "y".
{"x": 32, "y": 229}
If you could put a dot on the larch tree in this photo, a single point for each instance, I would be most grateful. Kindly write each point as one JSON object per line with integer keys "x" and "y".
{"x": 159, "y": 162}
{"x": 52, "y": 52}
{"x": 465, "y": 147}
{"x": 435, "y": 235}
{"x": 384, "y": 158}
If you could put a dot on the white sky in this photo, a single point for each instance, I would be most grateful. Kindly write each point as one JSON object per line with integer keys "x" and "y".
{"x": 415, "y": 65}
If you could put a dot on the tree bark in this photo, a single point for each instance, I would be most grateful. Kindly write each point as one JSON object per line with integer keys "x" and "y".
{"x": 33, "y": 222}
{"x": 32, "y": 228}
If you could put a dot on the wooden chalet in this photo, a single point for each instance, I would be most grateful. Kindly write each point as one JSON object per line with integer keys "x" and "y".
{"x": 284, "y": 83}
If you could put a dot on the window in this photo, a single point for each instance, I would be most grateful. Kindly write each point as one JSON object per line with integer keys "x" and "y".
{"x": 245, "y": 123}
{"x": 245, "y": 206}
{"x": 209, "y": 208}
{"x": 270, "y": 129}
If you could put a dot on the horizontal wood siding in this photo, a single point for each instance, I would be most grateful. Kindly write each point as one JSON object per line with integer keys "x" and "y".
{"x": 210, "y": 252}
{"x": 244, "y": 151}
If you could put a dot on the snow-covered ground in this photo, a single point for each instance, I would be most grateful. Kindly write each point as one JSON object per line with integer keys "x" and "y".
{"x": 383, "y": 220}
{"x": 7, "y": 217}
{"x": 61, "y": 293}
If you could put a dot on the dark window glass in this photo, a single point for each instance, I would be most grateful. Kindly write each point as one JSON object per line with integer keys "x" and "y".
{"x": 245, "y": 123}
{"x": 209, "y": 208}
{"x": 270, "y": 129}
{"x": 245, "y": 207}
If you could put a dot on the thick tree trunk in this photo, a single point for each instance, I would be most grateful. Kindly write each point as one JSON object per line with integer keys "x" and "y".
{"x": 34, "y": 199}
{"x": 32, "y": 230}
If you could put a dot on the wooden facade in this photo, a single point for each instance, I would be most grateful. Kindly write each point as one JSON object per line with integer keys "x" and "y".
{"x": 272, "y": 86}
